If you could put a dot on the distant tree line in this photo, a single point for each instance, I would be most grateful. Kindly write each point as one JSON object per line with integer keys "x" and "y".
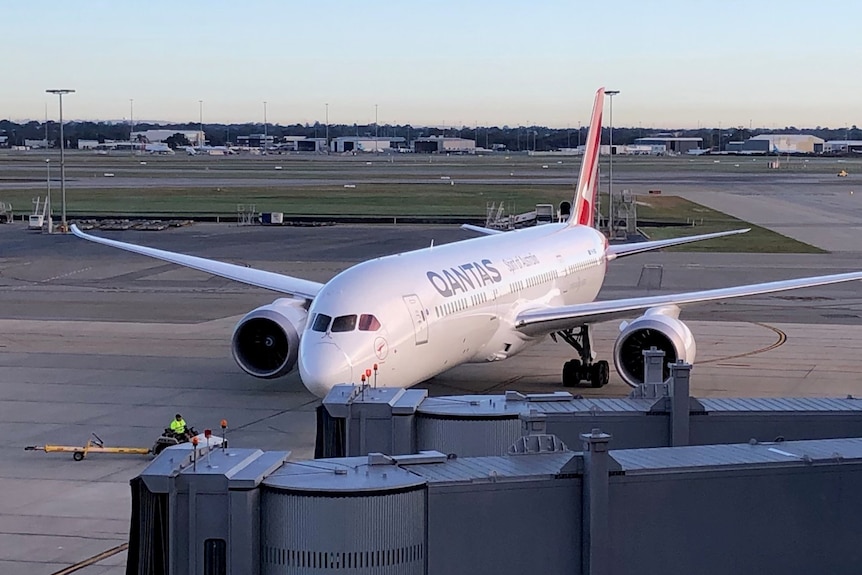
{"x": 521, "y": 138}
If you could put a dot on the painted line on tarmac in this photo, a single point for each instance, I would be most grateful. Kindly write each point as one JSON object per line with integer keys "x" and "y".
{"x": 782, "y": 337}
{"x": 92, "y": 560}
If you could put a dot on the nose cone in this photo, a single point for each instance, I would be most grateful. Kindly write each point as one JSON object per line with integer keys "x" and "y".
{"x": 323, "y": 365}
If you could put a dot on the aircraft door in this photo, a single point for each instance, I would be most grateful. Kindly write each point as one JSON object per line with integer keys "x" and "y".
{"x": 417, "y": 314}
{"x": 561, "y": 272}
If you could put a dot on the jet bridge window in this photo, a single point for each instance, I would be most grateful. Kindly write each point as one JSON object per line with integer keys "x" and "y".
{"x": 368, "y": 322}
{"x": 344, "y": 323}
{"x": 321, "y": 322}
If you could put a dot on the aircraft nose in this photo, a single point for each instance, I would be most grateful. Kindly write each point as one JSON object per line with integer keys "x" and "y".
{"x": 323, "y": 365}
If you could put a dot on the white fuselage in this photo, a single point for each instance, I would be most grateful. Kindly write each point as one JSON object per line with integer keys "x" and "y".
{"x": 442, "y": 306}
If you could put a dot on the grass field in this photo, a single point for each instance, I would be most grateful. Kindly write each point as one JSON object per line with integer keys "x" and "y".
{"x": 371, "y": 199}
{"x": 675, "y": 210}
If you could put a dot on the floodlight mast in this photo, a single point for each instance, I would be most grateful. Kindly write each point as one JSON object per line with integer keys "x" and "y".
{"x": 201, "y": 138}
{"x": 132, "y": 124}
{"x": 60, "y": 93}
{"x": 611, "y": 231}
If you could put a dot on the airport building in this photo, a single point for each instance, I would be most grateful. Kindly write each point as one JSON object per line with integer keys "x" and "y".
{"x": 195, "y": 137}
{"x": 256, "y": 141}
{"x": 36, "y": 144}
{"x": 301, "y": 144}
{"x": 842, "y": 146}
{"x": 442, "y": 144}
{"x": 780, "y": 144}
{"x": 673, "y": 145}
{"x": 366, "y": 144}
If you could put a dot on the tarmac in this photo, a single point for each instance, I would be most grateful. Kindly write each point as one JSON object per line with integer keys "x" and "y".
{"x": 98, "y": 340}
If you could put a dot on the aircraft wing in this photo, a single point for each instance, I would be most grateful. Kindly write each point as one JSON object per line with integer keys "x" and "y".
{"x": 260, "y": 278}
{"x": 548, "y": 320}
{"x": 622, "y": 250}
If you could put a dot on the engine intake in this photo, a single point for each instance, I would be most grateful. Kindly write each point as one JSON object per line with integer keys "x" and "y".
{"x": 265, "y": 342}
{"x": 659, "y": 328}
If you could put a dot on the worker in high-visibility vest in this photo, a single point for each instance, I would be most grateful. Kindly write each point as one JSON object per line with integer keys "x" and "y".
{"x": 178, "y": 427}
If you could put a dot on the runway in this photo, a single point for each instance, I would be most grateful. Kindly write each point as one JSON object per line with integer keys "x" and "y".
{"x": 93, "y": 339}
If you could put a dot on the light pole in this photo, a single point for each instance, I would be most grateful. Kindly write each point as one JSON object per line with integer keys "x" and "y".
{"x": 48, "y": 200}
{"x": 201, "y": 138}
{"x": 375, "y": 128}
{"x": 264, "y": 127}
{"x": 327, "y": 127}
{"x": 60, "y": 93}
{"x": 719, "y": 137}
{"x": 131, "y": 124}
{"x": 611, "y": 94}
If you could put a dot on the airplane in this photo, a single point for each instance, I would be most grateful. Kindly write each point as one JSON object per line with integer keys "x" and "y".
{"x": 413, "y": 315}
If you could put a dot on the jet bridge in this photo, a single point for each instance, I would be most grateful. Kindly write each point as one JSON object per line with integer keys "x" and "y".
{"x": 544, "y": 507}
{"x": 658, "y": 482}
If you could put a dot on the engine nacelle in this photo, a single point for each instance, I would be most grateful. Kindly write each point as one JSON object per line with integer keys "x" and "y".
{"x": 266, "y": 341}
{"x": 660, "y": 328}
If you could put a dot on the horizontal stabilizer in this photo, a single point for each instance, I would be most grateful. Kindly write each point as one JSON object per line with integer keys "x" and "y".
{"x": 481, "y": 230}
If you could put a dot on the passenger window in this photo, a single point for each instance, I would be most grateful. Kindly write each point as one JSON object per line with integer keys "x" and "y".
{"x": 321, "y": 322}
{"x": 344, "y": 323}
{"x": 368, "y": 322}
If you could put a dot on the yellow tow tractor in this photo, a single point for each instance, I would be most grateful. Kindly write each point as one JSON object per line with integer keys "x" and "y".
{"x": 842, "y": 174}
{"x": 94, "y": 445}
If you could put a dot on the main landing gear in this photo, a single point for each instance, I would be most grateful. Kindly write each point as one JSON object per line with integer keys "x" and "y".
{"x": 583, "y": 369}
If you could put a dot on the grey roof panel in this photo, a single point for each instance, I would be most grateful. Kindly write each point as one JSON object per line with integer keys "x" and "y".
{"x": 777, "y": 404}
{"x": 633, "y": 461}
{"x": 256, "y": 468}
{"x": 342, "y": 475}
{"x": 500, "y": 406}
{"x": 495, "y": 468}
{"x": 471, "y": 406}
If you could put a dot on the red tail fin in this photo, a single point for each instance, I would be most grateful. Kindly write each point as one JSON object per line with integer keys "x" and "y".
{"x": 583, "y": 208}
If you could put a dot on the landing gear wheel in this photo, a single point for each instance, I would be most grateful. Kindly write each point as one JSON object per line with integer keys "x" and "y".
{"x": 599, "y": 374}
{"x": 78, "y": 455}
{"x": 581, "y": 369}
{"x": 571, "y": 373}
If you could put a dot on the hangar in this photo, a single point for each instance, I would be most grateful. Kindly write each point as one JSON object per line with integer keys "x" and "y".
{"x": 442, "y": 144}
{"x": 672, "y": 145}
{"x": 366, "y": 144}
{"x": 784, "y": 144}
{"x": 256, "y": 141}
{"x": 842, "y": 146}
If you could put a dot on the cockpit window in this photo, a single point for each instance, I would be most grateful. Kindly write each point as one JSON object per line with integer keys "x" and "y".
{"x": 344, "y": 323}
{"x": 368, "y": 322}
{"x": 321, "y": 322}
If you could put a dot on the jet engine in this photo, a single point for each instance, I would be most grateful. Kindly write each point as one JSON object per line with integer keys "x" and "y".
{"x": 266, "y": 341}
{"x": 660, "y": 328}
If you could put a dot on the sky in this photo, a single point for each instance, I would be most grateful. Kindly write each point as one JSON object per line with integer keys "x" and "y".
{"x": 677, "y": 64}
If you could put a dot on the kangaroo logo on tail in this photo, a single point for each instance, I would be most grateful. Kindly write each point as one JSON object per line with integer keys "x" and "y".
{"x": 583, "y": 211}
